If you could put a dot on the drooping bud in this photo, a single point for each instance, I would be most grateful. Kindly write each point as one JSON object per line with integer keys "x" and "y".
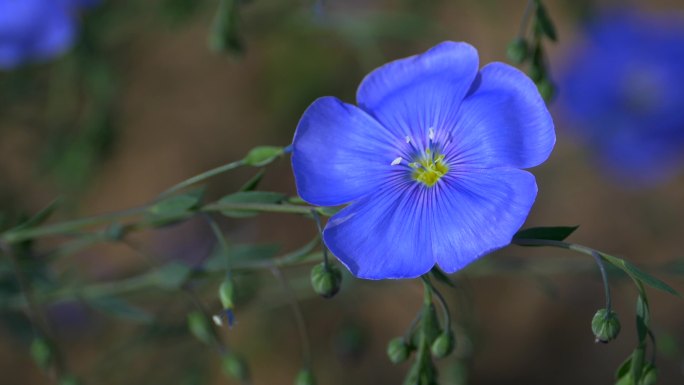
{"x": 546, "y": 89}
{"x": 326, "y": 280}
{"x": 605, "y": 325}
{"x": 227, "y": 294}
{"x": 235, "y": 367}
{"x": 398, "y": 350}
{"x": 518, "y": 51}
{"x": 305, "y": 377}
{"x": 443, "y": 345}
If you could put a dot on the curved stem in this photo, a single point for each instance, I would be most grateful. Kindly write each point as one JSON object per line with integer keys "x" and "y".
{"x": 441, "y": 300}
{"x": 299, "y": 317}
{"x": 595, "y": 254}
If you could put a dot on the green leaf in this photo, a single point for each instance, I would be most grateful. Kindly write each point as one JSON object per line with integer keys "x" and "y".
{"x": 248, "y": 197}
{"x": 553, "y": 233}
{"x": 238, "y": 253}
{"x": 263, "y": 155}
{"x": 41, "y": 216}
{"x": 253, "y": 182}
{"x": 224, "y": 35}
{"x": 544, "y": 22}
{"x": 623, "y": 370}
{"x": 172, "y": 276}
{"x": 119, "y": 308}
{"x": 639, "y": 274}
{"x": 649, "y": 279}
{"x": 176, "y": 205}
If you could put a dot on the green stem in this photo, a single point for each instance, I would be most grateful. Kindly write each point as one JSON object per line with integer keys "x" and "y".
{"x": 65, "y": 228}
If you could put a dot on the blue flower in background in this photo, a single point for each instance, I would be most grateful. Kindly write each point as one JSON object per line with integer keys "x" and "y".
{"x": 430, "y": 161}
{"x": 623, "y": 92}
{"x": 37, "y": 30}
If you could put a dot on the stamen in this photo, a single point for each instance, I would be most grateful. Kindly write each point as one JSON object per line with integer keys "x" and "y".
{"x": 408, "y": 139}
{"x": 396, "y": 161}
{"x": 431, "y": 133}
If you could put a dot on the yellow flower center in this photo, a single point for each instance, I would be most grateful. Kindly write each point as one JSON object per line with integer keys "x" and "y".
{"x": 429, "y": 169}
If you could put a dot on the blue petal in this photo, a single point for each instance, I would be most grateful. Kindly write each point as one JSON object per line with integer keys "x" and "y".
{"x": 340, "y": 153}
{"x": 58, "y": 35}
{"x": 478, "y": 212}
{"x": 412, "y": 95}
{"x": 384, "y": 235}
{"x": 503, "y": 122}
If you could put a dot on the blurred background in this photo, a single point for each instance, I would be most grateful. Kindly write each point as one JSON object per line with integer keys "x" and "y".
{"x": 144, "y": 99}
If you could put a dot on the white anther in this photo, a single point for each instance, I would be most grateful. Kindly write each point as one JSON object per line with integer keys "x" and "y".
{"x": 408, "y": 139}
{"x": 431, "y": 133}
{"x": 396, "y": 161}
{"x": 217, "y": 320}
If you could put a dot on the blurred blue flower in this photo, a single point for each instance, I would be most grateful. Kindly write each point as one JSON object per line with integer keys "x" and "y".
{"x": 37, "y": 30}
{"x": 623, "y": 92}
{"x": 430, "y": 161}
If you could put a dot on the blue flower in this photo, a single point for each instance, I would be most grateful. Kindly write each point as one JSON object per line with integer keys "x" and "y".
{"x": 623, "y": 94}
{"x": 36, "y": 30}
{"x": 430, "y": 162}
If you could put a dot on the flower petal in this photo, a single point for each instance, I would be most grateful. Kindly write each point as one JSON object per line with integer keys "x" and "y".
{"x": 503, "y": 122}
{"x": 478, "y": 212}
{"x": 340, "y": 153}
{"x": 384, "y": 235}
{"x": 409, "y": 96}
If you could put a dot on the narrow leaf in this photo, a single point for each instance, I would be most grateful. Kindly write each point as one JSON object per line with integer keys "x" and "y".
{"x": 554, "y": 233}
{"x": 253, "y": 182}
{"x": 248, "y": 197}
{"x": 544, "y": 22}
{"x": 41, "y": 216}
{"x": 172, "y": 276}
{"x": 119, "y": 308}
{"x": 648, "y": 279}
{"x": 176, "y": 205}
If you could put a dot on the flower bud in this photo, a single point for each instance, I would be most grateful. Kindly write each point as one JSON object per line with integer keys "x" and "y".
{"x": 326, "y": 280}
{"x": 41, "y": 352}
{"x": 650, "y": 375}
{"x": 546, "y": 89}
{"x": 305, "y": 377}
{"x": 517, "y": 50}
{"x": 605, "y": 325}
{"x": 235, "y": 367}
{"x": 443, "y": 345}
{"x": 227, "y": 294}
{"x": 397, "y": 350}
{"x": 200, "y": 327}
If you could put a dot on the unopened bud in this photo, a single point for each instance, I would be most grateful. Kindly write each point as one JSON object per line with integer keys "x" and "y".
{"x": 546, "y": 89}
{"x": 200, "y": 327}
{"x": 305, "y": 377}
{"x": 227, "y": 294}
{"x": 235, "y": 367}
{"x": 326, "y": 280}
{"x": 397, "y": 350}
{"x": 650, "y": 376}
{"x": 605, "y": 325}
{"x": 518, "y": 50}
{"x": 41, "y": 352}
{"x": 443, "y": 345}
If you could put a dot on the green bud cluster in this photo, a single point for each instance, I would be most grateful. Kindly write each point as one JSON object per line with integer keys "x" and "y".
{"x": 398, "y": 350}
